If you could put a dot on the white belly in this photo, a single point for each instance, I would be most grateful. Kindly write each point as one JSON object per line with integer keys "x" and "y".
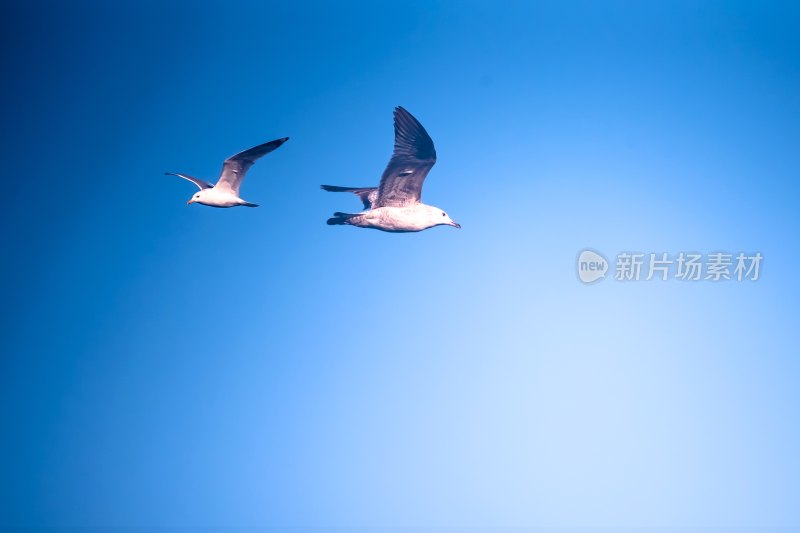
{"x": 217, "y": 199}
{"x": 394, "y": 219}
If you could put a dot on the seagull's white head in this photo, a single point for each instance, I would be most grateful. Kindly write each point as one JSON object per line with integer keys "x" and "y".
{"x": 197, "y": 198}
{"x": 437, "y": 217}
{"x": 449, "y": 221}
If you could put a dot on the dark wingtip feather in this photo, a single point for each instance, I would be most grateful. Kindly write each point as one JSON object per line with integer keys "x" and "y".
{"x": 411, "y": 138}
{"x": 276, "y": 143}
{"x": 337, "y": 188}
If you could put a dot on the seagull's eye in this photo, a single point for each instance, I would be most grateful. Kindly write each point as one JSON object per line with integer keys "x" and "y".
{"x": 443, "y": 214}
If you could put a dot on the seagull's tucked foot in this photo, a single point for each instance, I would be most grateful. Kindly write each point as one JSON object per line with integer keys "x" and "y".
{"x": 340, "y": 219}
{"x": 248, "y": 204}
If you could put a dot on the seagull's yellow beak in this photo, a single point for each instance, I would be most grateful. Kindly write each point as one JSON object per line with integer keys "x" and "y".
{"x": 191, "y": 201}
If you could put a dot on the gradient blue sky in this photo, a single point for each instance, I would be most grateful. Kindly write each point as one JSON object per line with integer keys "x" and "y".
{"x": 168, "y": 366}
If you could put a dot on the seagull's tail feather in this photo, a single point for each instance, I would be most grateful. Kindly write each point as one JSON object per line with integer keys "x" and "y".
{"x": 367, "y": 195}
{"x": 340, "y": 219}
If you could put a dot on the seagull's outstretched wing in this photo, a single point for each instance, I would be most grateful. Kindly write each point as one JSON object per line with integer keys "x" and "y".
{"x": 235, "y": 167}
{"x": 197, "y": 181}
{"x": 413, "y": 157}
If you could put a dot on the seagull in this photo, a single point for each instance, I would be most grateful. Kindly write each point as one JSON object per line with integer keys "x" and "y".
{"x": 226, "y": 192}
{"x": 395, "y": 204}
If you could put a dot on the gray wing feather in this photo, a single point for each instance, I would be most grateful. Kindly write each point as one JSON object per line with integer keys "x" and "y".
{"x": 197, "y": 181}
{"x": 235, "y": 167}
{"x": 367, "y": 195}
{"x": 413, "y": 157}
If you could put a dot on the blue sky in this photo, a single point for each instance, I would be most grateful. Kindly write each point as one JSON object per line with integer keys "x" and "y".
{"x": 168, "y": 365}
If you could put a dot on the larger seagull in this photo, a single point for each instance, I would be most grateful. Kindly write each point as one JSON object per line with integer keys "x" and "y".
{"x": 395, "y": 205}
{"x": 226, "y": 192}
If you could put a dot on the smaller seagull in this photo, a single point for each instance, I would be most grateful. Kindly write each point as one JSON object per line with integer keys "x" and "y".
{"x": 226, "y": 192}
{"x": 395, "y": 205}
